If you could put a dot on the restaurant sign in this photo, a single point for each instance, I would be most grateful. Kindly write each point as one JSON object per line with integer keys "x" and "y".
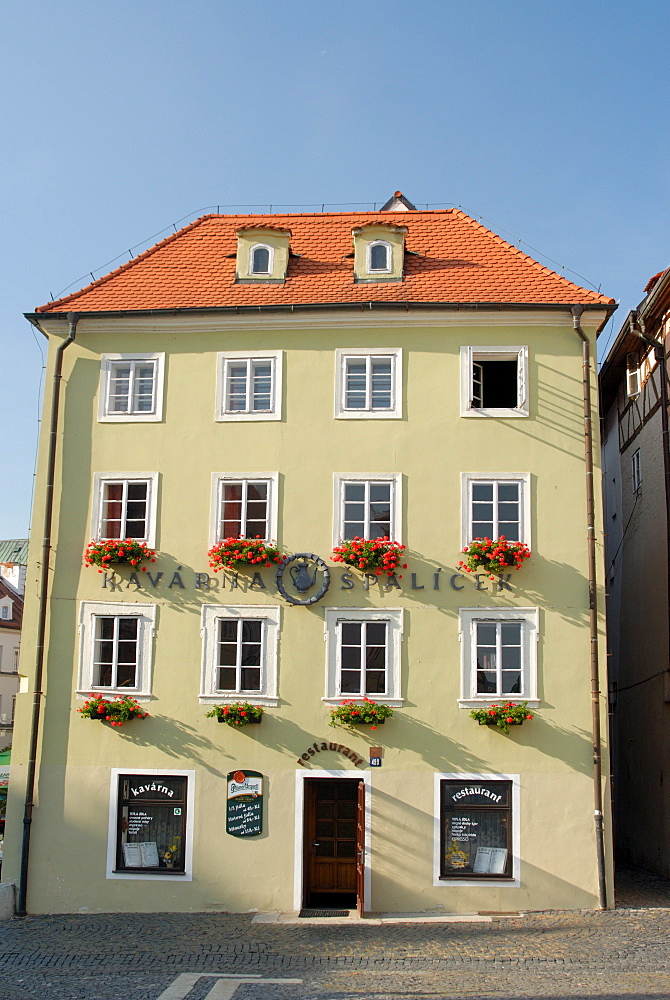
{"x": 244, "y": 806}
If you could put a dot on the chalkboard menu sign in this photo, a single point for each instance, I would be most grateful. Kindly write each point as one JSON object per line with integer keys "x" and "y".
{"x": 244, "y": 812}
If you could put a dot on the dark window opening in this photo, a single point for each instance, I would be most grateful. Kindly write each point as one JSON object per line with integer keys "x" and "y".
{"x": 495, "y": 384}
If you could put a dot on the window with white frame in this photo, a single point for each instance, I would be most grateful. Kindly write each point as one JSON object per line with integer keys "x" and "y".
{"x": 150, "y": 825}
{"x": 633, "y": 374}
{"x": 363, "y": 654}
{"x": 498, "y": 655}
{"x": 131, "y": 387}
{"x": 636, "y": 470}
{"x": 494, "y": 506}
{"x": 368, "y": 384}
{"x": 494, "y": 381}
{"x": 125, "y": 507}
{"x": 245, "y": 507}
{"x": 115, "y": 647}
{"x": 260, "y": 259}
{"x": 240, "y": 646}
{"x": 379, "y": 257}
{"x": 477, "y": 818}
{"x": 5, "y": 612}
{"x": 367, "y": 508}
{"x": 249, "y": 386}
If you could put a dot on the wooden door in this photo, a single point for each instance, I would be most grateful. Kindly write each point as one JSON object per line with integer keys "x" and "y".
{"x": 360, "y": 849}
{"x": 331, "y": 842}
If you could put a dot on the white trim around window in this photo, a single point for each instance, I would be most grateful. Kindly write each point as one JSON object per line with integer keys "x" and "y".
{"x": 334, "y": 620}
{"x": 100, "y": 514}
{"x": 131, "y": 388}
{"x": 343, "y": 501}
{"x": 476, "y": 375}
{"x": 267, "y": 640}
{"x": 368, "y": 257}
{"x": 253, "y": 272}
{"x": 486, "y": 500}
{"x": 248, "y": 508}
{"x": 512, "y": 652}
{"x": 368, "y": 384}
{"x": 112, "y": 828}
{"x": 92, "y": 650}
{"x": 249, "y": 385}
{"x": 515, "y": 881}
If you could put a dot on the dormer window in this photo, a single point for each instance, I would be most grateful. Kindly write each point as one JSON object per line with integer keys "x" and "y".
{"x": 379, "y": 257}
{"x": 260, "y": 260}
{"x": 262, "y": 255}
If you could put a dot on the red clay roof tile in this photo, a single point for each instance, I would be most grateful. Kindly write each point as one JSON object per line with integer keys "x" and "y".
{"x": 453, "y": 259}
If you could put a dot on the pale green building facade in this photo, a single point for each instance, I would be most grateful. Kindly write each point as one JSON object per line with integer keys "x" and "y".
{"x": 378, "y": 401}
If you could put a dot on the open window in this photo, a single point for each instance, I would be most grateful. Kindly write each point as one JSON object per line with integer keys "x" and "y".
{"x": 494, "y": 381}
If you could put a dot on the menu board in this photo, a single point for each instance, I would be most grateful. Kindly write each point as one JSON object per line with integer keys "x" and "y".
{"x": 141, "y": 855}
{"x": 490, "y": 861}
{"x": 244, "y": 806}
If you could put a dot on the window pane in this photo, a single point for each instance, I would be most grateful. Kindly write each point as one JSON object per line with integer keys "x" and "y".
{"x": 486, "y": 683}
{"x": 376, "y": 633}
{"x": 119, "y": 388}
{"x": 143, "y": 401}
{"x": 351, "y": 633}
{"x": 380, "y": 493}
{"x": 261, "y": 261}
{"x": 228, "y": 630}
{"x": 381, "y": 383}
{"x": 227, "y": 679}
{"x": 351, "y": 682}
{"x": 354, "y": 491}
{"x": 236, "y": 389}
{"x": 251, "y": 679}
{"x": 262, "y": 385}
{"x": 231, "y": 511}
{"x": 378, "y": 257}
{"x": 482, "y": 491}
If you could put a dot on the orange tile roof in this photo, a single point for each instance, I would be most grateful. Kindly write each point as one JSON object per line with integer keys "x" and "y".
{"x": 453, "y": 259}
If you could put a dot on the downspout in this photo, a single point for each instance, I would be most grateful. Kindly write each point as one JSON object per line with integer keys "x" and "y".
{"x": 41, "y": 625}
{"x": 659, "y": 351}
{"x": 593, "y": 608}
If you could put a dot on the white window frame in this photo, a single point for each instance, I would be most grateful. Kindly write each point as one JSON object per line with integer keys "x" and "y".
{"x": 271, "y": 252}
{"x": 218, "y": 481}
{"x": 211, "y": 615}
{"x": 340, "y": 478}
{"x": 112, "y": 831}
{"x": 467, "y": 619}
{"x": 99, "y": 480}
{"x": 368, "y": 413}
{"x": 394, "y": 617}
{"x": 276, "y": 357}
{"x": 104, "y": 415}
{"x": 457, "y": 883}
{"x": 91, "y": 610}
{"x": 473, "y": 353}
{"x": 468, "y": 479}
{"x": 389, "y": 257}
{"x": 636, "y": 470}
{"x": 633, "y": 379}
{"x": 6, "y": 610}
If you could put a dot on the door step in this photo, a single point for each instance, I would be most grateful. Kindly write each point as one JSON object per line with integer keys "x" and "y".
{"x": 323, "y": 913}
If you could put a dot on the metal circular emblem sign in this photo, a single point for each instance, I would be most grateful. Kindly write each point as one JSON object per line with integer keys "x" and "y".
{"x": 300, "y": 573}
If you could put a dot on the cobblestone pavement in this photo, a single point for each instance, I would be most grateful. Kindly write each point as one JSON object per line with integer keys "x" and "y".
{"x": 622, "y": 953}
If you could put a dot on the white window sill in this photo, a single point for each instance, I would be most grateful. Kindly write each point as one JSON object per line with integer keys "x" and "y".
{"x": 449, "y": 883}
{"x": 129, "y": 418}
{"x": 262, "y": 700}
{"x": 487, "y": 702}
{"x": 247, "y": 415}
{"x": 368, "y": 415}
{"x": 141, "y": 696}
{"x": 502, "y": 411}
{"x": 379, "y": 700}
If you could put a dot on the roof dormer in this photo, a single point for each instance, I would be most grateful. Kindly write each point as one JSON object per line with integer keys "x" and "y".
{"x": 379, "y": 252}
{"x": 262, "y": 254}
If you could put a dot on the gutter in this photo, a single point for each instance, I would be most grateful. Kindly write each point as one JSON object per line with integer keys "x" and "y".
{"x": 42, "y": 618}
{"x": 593, "y": 609}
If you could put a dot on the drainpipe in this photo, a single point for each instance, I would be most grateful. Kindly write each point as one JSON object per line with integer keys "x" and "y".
{"x": 593, "y": 608}
{"x": 661, "y": 358}
{"x": 42, "y": 620}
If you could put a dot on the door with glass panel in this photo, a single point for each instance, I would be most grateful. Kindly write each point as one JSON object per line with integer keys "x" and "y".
{"x": 333, "y": 843}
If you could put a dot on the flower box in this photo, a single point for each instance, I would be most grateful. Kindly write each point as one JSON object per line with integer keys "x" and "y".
{"x": 243, "y": 553}
{"x": 115, "y": 711}
{"x": 112, "y": 552}
{"x": 493, "y": 556}
{"x": 237, "y": 713}
{"x": 511, "y": 713}
{"x": 362, "y": 713}
{"x": 370, "y": 555}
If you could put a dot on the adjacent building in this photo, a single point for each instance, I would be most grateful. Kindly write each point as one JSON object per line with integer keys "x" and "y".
{"x": 13, "y": 560}
{"x": 636, "y": 471}
{"x": 300, "y": 380}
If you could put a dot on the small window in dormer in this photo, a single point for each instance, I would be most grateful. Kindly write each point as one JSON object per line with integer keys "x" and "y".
{"x": 379, "y": 257}
{"x": 260, "y": 260}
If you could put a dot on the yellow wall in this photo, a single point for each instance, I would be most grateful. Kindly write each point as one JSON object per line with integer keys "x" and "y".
{"x": 431, "y": 445}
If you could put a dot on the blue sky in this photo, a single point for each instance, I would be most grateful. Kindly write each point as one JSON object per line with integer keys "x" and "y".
{"x": 547, "y": 119}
